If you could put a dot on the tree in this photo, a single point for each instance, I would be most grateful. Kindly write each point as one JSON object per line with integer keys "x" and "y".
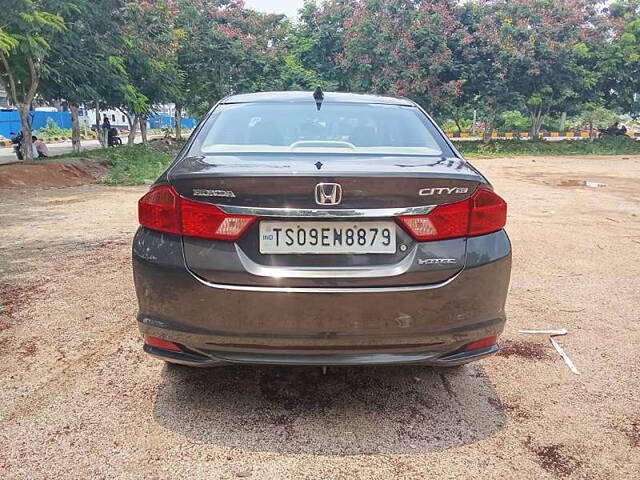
{"x": 80, "y": 70}
{"x": 318, "y": 41}
{"x": 540, "y": 37}
{"x": 147, "y": 61}
{"x": 618, "y": 61}
{"x": 484, "y": 65}
{"x": 396, "y": 47}
{"x": 26, "y": 36}
{"x": 227, "y": 49}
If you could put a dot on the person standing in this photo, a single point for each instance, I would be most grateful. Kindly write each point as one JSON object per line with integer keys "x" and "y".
{"x": 106, "y": 126}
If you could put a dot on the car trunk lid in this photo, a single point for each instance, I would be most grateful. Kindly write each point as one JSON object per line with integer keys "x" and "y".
{"x": 285, "y": 188}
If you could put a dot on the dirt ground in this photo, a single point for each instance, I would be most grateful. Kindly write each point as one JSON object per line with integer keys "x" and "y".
{"x": 50, "y": 173}
{"x": 79, "y": 399}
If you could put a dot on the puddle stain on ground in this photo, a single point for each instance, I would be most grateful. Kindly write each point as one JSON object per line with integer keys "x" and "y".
{"x": 552, "y": 459}
{"x": 523, "y": 349}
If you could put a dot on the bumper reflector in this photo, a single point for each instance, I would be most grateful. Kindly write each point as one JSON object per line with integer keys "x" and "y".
{"x": 162, "y": 344}
{"x": 480, "y": 344}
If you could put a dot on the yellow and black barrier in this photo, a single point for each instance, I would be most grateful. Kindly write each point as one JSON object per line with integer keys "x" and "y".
{"x": 509, "y": 135}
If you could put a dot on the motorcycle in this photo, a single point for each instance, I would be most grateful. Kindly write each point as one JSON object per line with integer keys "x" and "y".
{"x": 17, "y": 144}
{"x": 113, "y": 140}
{"x": 613, "y": 131}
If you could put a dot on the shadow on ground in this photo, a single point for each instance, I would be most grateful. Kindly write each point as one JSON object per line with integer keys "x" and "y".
{"x": 349, "y": 410}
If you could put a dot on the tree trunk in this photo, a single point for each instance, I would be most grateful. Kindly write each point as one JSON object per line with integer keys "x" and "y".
{"x": 537, "y": 114}
{"x": 98, "y": 129}
{"x": 143, "y": 128}
{"x": 489, "y": 120}
{"x": 133, "y": 128}
{"x": 457, "y": 122}
{"x": 178, "y": 118}
{"x": 75, "y": 128}
{"x": 23, "y": 110}
{"x": 488, "y": 129}
{"x": 563, "y": 121}
{"x": 592, "y": 131}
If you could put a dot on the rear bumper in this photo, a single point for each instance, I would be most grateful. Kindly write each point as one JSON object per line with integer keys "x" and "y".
{"x": 220, "y": 324}
{"x": 215, "y": 359}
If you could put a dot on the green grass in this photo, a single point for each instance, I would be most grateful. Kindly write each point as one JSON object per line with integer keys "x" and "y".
{"x": 514, "y": 147}
{"x": 132, "y": 165}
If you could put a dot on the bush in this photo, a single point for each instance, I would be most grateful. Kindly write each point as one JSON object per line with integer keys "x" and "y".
{"x": 598, "y": 146}
{"x": 450, "y": 125}
{"x": 513, "y": 121}
{"x": 51, "y": 129}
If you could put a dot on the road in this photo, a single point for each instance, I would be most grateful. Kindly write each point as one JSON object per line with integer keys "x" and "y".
{"x": 8, "y": 156}
{"x": 79, "y": 398}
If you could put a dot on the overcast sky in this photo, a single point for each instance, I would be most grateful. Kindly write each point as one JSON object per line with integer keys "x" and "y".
{"x": 288, "y": 7}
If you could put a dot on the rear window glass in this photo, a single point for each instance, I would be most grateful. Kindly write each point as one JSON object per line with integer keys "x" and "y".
{"x": 335, "y": 128}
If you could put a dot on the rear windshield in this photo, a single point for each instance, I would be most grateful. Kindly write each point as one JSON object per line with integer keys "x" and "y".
{"x": 335, "y": 128}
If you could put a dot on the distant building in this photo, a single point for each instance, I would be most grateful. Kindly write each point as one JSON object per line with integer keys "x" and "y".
{"x": 4, "y": 101}
{"x": 116, "y": 117}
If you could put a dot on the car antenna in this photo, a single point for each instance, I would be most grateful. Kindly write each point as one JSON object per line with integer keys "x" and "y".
{"x": 318, "y": 96}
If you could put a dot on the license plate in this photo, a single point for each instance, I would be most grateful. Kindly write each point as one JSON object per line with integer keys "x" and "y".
{"x": 327, "y": 237}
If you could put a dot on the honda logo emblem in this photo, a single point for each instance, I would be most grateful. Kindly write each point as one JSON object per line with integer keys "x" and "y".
{"x": 328, "y": 194}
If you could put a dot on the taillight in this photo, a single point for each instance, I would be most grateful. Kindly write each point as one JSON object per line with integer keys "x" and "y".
{"x": 159, "y": 209}
{"x": 488, "y": 213}
{"x": 163, "y": 210}
{"x": 204, "y": 220}
{"x": 484, "y": 212}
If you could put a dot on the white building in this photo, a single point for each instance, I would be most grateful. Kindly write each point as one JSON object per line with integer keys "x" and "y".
{"x": 116, "y": 117}
{"x": 4, "y": 101}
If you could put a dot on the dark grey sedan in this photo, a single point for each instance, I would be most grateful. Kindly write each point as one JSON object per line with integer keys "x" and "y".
{"x": 306, "y": 228}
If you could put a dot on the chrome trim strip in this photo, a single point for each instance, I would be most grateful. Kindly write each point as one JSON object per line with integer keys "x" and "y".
{"x": 255, "y": 288}
{"x": 325, "y": 213}
{"x": 326, "y": 272}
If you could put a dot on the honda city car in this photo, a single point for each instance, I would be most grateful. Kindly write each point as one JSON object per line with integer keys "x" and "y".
{"x": 313, "y": 228}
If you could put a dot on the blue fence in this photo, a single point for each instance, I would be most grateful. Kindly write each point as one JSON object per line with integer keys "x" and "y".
{"x": 10, "y": 121}
{"x": 167, "y": 121}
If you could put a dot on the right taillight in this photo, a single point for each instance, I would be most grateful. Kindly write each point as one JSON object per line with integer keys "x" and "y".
{"x": 164, "y": 210}
{"x": 484, "y": 212}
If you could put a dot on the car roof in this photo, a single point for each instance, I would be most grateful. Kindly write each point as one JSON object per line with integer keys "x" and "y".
{"x": 301, "y": 96}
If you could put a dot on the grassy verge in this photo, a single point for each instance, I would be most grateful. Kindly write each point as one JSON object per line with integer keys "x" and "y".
{"x": 133, "y": 165}
{"x": 598, "y": 146}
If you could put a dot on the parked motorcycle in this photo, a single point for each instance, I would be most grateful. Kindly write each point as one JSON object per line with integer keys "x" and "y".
{"x": 17, "y": 144}
{"x": 113, "y": 139}
{"x": 613, "y": 131}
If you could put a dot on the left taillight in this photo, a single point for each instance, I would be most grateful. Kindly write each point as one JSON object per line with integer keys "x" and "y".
{"x": 204, "y": 220}
{"x": 164, "y": 210}
{"x": 159, "y": 209}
